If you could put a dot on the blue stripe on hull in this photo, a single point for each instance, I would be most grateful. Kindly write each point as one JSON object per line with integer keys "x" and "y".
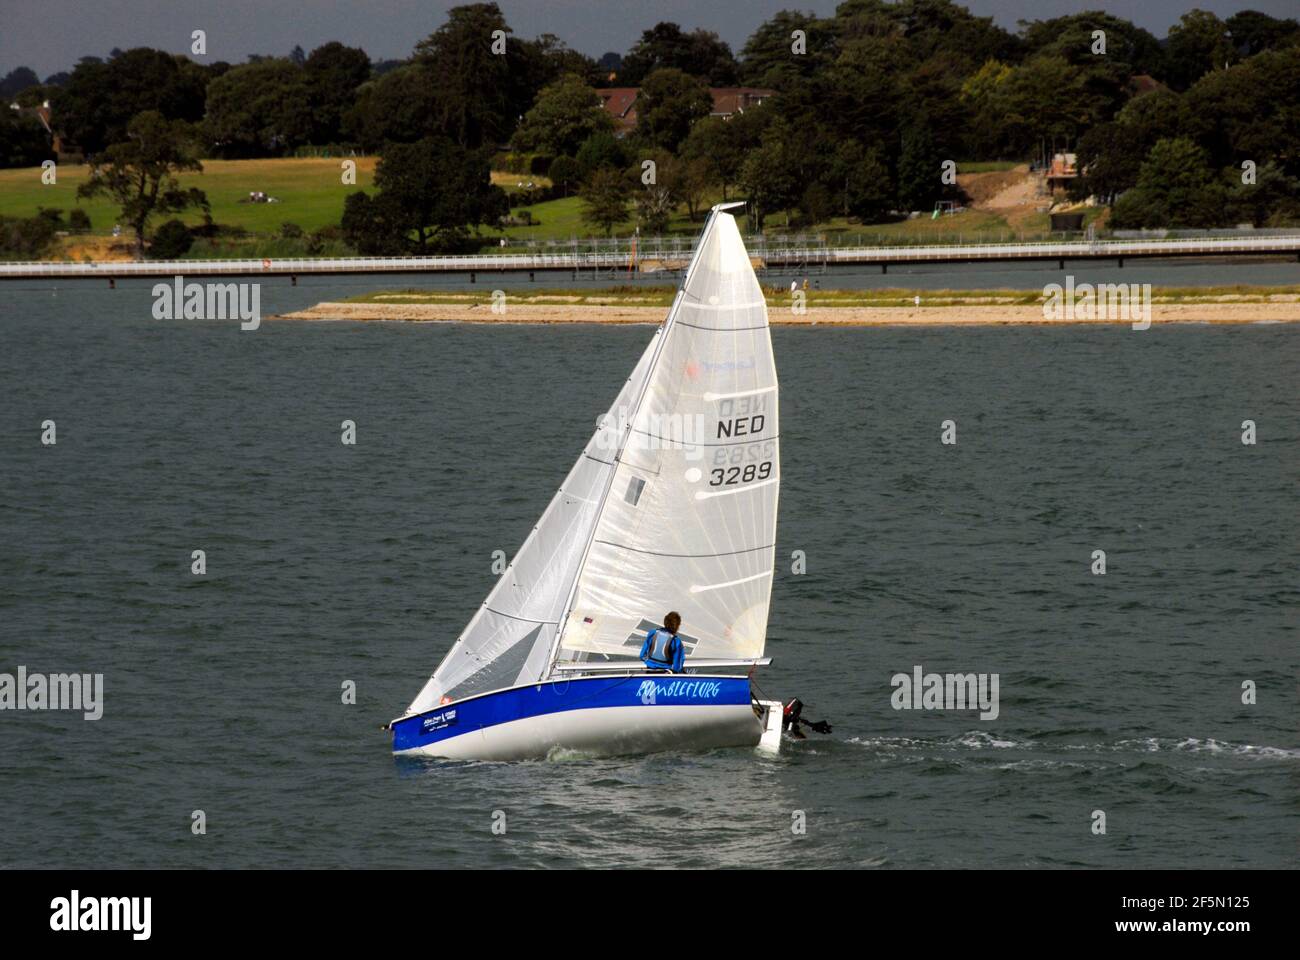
{"x": 649, "y": 692}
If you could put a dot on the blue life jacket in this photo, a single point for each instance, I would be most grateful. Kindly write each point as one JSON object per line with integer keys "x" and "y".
{"x": 663, "y": 651}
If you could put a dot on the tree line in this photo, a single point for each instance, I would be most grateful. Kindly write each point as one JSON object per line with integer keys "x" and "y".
{"x": 1201, "y": 127}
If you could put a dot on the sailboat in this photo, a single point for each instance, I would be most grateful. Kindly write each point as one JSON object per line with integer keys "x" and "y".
{"x": 671, "y": 506}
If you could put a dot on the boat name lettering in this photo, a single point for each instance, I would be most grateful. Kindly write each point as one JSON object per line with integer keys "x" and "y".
{"x": 693, "y": 689}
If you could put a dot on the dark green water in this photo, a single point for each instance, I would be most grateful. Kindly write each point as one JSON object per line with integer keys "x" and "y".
{"x": 329, "y": 563}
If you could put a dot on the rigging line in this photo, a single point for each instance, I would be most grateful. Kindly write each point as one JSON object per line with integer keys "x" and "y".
{"x": 692, "y": 556}
{"x": 761, "y": 326}
{"x": 511, "y": 616}
{"x": 689, "y": 444}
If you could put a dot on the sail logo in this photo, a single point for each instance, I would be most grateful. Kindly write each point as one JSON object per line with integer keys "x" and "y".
{"x": 74, "y": 914}
{"x": 948, "y": 691}
{"x": 726, "y": 366}
{"x": 54, "y": 691}
{"x": 1105, "y": 301}
{"x": 650, "y": 690}
{"x": 209, "y": 301}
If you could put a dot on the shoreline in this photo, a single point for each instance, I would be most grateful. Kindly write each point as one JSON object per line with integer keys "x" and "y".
{"x": 946, "y": 315}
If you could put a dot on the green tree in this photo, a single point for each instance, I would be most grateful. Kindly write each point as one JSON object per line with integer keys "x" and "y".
{"x": 565, "y": 173}
{"x": 16, "y": 81}
{"x": 259, "y": 109}
{"x": 600, "y": 150}
{"x": 866, "y": 92}
{"x": 27, "y": 239}
{"x": 332, "y": 74}
{"x": 140, "y": 173}
{"x": 605, "y": 199}
{"x": 95, "y": 106}
{"x": 692, "y": 184}
{"x": 539, "y": 63}
{"x": 920, "y": 169}
{"x": 669, "y": 103}
{"x": 1109, "y": 158}
{"x": 1045, "y": 97}
{"x": 1198, "y": 43}
{"x": 699, "y": 54}
{"x": 566, "y": 113}
{"x": 1176, "y": 188}
{"x": 860, "y": 182}
{"x": 1253, "y": 32}
{"x": 933, "y": 27}
{"x": 171, "y": 241}
{"x": 1128, "y": 46}
{"x": 23, "y": 140}
{"x": 768, "y": 58}
{"x": 720, "y": 146}
{"x": 1249, "y": 111}
{"x": 431, "y": 195}
{"x": 1272, "y": 200}
{"x": 398, "y": 106}
{"x": 475, "y": 95}
{"x": 773, "y": 176}
{"x": 371, "y": 227}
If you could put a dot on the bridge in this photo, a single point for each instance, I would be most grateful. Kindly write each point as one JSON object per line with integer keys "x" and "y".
{"x": 666, "y": 255}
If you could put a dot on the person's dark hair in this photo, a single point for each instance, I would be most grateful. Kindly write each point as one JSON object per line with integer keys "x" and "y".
{"x": 672, "y": 621}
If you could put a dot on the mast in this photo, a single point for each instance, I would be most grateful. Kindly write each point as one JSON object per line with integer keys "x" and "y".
{"x": 627, "y": 432}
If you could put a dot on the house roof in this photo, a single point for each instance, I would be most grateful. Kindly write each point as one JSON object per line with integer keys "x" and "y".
{"x": 731, "y": 100}
{"x": 620, "y": 103}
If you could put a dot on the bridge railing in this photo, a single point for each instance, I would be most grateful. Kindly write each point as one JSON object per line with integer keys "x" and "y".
{"x": 783, "y": 252}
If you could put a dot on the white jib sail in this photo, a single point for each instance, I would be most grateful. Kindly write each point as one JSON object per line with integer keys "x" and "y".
{"x": 672, "y": 504}
{"x": 509, "y": 639}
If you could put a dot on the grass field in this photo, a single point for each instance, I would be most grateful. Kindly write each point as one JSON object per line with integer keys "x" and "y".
{"x": 562, "y": 219}
{"x": 311, "y": 192}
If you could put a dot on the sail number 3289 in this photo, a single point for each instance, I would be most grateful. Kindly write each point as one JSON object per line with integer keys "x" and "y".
{"x": 728, "y": 476}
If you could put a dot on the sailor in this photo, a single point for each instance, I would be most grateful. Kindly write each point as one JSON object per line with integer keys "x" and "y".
{"x": 793, "y": 718}
{"x": 663, "y": 649}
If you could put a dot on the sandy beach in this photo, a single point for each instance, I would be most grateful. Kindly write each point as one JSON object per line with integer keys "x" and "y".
{"x": 954, "y": 315}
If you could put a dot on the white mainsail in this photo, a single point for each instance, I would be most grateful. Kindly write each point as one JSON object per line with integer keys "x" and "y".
{"x": 689, "y": 523}
{"x": 672, "y": 504}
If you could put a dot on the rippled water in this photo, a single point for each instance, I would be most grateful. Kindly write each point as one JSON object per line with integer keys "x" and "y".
{"x": 328, "y": 563}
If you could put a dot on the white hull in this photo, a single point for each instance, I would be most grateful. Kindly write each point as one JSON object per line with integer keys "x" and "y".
{"x": 605, "y": 732}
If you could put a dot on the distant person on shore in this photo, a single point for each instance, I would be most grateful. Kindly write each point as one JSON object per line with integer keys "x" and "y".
{"x": 663, "y": 649}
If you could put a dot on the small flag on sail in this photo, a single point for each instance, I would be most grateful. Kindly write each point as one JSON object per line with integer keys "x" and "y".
{"x": 588, "y": 620}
